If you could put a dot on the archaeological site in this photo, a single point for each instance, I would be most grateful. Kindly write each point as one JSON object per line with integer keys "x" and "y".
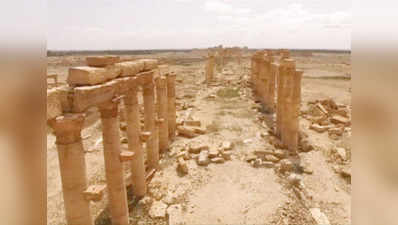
{"x": 198, "y": 113}
{"x": 213, "y": 136}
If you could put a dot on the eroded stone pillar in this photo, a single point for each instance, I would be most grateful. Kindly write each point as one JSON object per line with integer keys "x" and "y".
{"x": 281, "y": 98}
{"x": 171, "y": 99}
{"x": 113, "y": 166}
{"x": 271, "y": 87}
{"x": 262, "y": 80}
{"x": 149, "y": 123}
{"x": 293, "y": 111}
{"x": 210, "y": 68}
{"x": 134, "y": 141}
{"x": 161, "y": 91}
{"x": 289, "y": 135}
{"x": 72, "y": 165}
{"x": 269, "y": 81}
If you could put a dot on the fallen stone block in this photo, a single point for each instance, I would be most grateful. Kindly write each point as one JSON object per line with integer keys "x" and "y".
{"x": 227, "y": 145}
{"x": 194, "y": 123}
{"x": 336, "y": 131}
{"x": 203, "y": 159}
{"x": 199, "y": 130}
{"x": 197, "y": 147}
{"x": 318, "y": 128}
{"x": 226, "y": 155}
{"x": 337, "y": 119}
{"x": 271, "y": 158}
{"x": 94, "y": 193}
{"x": 186, "y": 132}
{"x": 182, "y": 166}
{"x": 102, "y": 61}
{"x": 341, "y": 153}
{"x": 217, "y": 160}
{"x": 320, "y": 107}
{"x": 213, "y": 153}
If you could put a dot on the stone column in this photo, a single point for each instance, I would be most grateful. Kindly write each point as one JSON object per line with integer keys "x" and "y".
{"x": 262, "y": 80}
{"x": 113, "y": 165}
{"x": 281, "y": 98}
{"x": 171, "y": 99}
{"x": 149, "y": 124}
{"x": 134, "y": 142}
{"x": 289, "y": 71}
{"x": 268, "y": 82}
{"x": 293, "y": 110}
{"x": 72, "y": 165}
{"x": 161, "y": 91}
{"x": 271, "y": 87}
{"x": 210, "y": 69}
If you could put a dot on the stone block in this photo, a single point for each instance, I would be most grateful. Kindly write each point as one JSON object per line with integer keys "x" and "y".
{"x": 102, "y": 61}
{"x": 149, "y": 64}
{"x": 54, "y": 106}
{"x": 84, "y": 75}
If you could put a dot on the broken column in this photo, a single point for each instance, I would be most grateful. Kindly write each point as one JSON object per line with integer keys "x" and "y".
{"x": 134, "y": 142}
{"x": 269, "y": 81}
{"x": 281, "y": 98}
{"x": 161, "y": 91}
{"x": 171, "y": 107}
{"x": 149, "y": 122}
{"x": 113, "y": 165}
{"x": 210, "y": 68}
{"x": 72, "y": 165}
{"x": 262, "y": 80}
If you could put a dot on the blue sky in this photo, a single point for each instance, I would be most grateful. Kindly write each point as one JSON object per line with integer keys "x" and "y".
{"x": 161, "y": 24}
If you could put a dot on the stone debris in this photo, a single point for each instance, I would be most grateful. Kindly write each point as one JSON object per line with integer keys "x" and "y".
{"x": 199, "y": 130}
{"x": 294, "y": 179}
{"x": 145, "y": 201}
{"x": 271, "y": 158}
{"x": 203, "y": 158}
{"x": 193, "y": 123}
{"x": 337, "y": 119}
{"x": 306, "y": 146}
{"x": 341, "y": 153}
{"x": 319, "y": 217}
{"x": 94, "y": 193}
{"x": 182, "y": 166}
{"x": 196, "y": 147}
{"x": 250, "y": 157}
{"x": 226, "y": 155}
{"x": 319, "y": 128}
{"x": 213, "y": 153}
{"x": 217, "y": 160}
{"x": 227, "y": 145}
{"x": 285, "y": 166}
{"x": 158, "y": 210}
{"x": 187, "y": 132}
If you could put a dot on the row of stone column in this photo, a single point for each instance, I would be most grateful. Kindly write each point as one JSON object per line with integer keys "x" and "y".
{"x": 159, "y": 128}
{"x": 278, "y": 88}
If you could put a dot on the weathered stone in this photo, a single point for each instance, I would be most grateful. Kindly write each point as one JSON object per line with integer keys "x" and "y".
{"x": 251, "y": 157}
{"x": 124, "y": 140}
{"x": 54, "y": 106}
{"x": 217, "y": 160}
{"x": 336, "y": 119}
{"x": 145, "y": 201}
{"x": 194, "y": 123}
{"x": 182, "y": 166}
{"x": 213, "y": 153}
{"x": 203, "y": 159}
{"x": 263, "y": 152}
{"x": 186, "y": 132}
{"x": 341, "y": 153}
{"x": 158, "y": 210}
{"x": 294, "y": 179}
{"x": 323, "y": 110}
{"x": 227, "y": 145}
{"x": 199, "y": 130}
{"x": 94, "y": 193}
{"x": 102, "y": 61}
{"x": 196, "y": 147}
{"x": 286, "y": 166}
{"x": 271, "y": 158}
{"x": 226, "y": 155}
{"x": 149, "y": 64}
{"x": 85, "y": 75}
{"x": 130, "y": 68}
{"x": 319, "y": 128}
{"x": 338, "y": 131}
{"x": 281, "y": 154}
{"x": 319, "y": 217}
{"x": 306, "y": 145}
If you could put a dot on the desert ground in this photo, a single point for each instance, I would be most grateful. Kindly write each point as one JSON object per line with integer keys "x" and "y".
{"x": 237, "y": 190}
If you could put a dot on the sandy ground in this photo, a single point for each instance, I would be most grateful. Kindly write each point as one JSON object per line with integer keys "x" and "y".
{"x": 232, "y": 192}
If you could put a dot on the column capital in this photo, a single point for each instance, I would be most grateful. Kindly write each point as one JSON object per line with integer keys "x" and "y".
{"x": 68, "y": 127}
{"x": 109, "y": 109}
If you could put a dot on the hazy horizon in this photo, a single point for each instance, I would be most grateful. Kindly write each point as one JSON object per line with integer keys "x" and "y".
{"x": 188, "y": 24}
